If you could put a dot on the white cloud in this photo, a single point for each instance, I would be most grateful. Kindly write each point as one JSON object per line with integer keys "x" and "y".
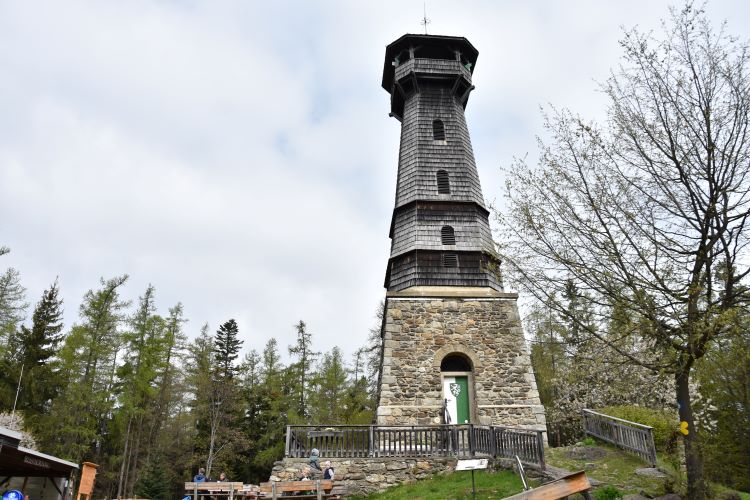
{"x": 238, "y": 155}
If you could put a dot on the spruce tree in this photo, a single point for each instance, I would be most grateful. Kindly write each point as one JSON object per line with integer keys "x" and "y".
{"x": 305, "y": 358}
{"x": 38, "y": 345}
{"x": 330, "y": 388}
{"x": 153, "y": 483}
{"x": 74, "y": 427}
{"x": 226, "y": 349}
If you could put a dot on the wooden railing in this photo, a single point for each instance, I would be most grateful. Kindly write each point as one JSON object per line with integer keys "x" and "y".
{"x": 631, "y": 436}
{"x": 353, "y": 441}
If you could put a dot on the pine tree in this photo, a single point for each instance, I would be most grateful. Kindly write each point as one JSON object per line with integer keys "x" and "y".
{"x": 199, "y": 379}
{"x": 153, "y": 483}
{"x": 219, "y": 400}
{"x": 330, "y": 387}
{"x": 74, "y": 427}
{"x": 38, "y": 345}
{"x": 12, "y": 300}
{"x": 144, "y": 357}
{"x": 275, "y": 398}
{"x": 226, "y": 350}
{"x": 305, "y": 359}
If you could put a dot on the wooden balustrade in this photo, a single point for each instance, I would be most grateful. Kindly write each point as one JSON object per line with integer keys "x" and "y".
{"x": 631, "y": 436}
{"x": 461, "y": 441}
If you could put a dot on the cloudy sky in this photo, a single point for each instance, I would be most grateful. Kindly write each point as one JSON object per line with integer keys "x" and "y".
{"x": 239, "y": 155}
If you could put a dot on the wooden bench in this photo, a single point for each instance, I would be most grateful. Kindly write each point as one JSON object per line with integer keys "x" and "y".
{"x": 312, "y": 488}
{"x": 560, "y": 488}
{"x": 213, "y": 488}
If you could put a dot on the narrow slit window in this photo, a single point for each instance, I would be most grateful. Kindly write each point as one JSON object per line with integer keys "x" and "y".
{"x": 450, "y": 259}
{"x": 438, "y": 130}
{"x": 447, "y": 235}
{"x": 443, "y": 182}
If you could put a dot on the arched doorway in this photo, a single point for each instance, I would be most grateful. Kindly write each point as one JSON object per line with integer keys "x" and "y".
{"x": 456, "y": 370}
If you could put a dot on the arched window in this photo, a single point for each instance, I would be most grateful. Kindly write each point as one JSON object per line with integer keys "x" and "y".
{"x": 450, "y": 259}
{"x": 438, "y": 130}
{"x": 443, "y": 182}
{"x": 447, "y": 236}
{"x": 455, "y": 362}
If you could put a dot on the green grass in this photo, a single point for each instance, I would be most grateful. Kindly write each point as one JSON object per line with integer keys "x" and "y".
{"x": 616, "y": 468}
{"x": 457, "y": 485}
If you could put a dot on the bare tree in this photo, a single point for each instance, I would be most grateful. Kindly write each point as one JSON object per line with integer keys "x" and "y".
{"x": 647, "y": 212}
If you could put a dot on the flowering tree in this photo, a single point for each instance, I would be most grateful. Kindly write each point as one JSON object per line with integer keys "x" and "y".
{"x": 648, "y": 212}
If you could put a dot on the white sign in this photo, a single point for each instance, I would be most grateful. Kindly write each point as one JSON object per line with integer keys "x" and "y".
{"x": 480, "y": 463}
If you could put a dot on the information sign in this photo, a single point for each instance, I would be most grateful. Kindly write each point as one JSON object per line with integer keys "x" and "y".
{"x": 480, "y": 463}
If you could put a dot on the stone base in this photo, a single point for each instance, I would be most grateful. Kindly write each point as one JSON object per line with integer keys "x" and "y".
{"x": 423, "y": 325}
{"x": 363, "y": 476}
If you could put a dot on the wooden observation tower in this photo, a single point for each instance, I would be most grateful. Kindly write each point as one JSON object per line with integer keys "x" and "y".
{"x": 453, "y": 346}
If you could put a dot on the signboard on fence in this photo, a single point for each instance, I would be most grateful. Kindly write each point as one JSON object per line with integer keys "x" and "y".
{"x": 480, "y": 463}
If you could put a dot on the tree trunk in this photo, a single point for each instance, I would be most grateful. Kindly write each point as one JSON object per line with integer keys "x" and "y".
{"x": 136, "y": 455}
{"x": 696, "y": 488}
{"x": 124, "y": 461}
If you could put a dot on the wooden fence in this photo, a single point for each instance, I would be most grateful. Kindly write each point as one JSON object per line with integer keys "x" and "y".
{"x": 630, "y": 436}
{"x": 374, "y": 441}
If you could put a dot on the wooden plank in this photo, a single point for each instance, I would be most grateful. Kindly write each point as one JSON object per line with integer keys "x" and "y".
{"x": 560, "y": 488}
{"x": 213, "y": 486}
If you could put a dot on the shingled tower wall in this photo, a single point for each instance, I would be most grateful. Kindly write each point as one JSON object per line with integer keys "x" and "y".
{"x": 449, "y": 331}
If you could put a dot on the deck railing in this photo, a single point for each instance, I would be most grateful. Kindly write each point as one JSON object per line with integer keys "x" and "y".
{"x": 375, "y": 441}
{"x": 631, "y": 436}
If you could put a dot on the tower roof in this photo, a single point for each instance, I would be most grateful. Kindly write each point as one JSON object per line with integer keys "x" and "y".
{"x": 428, "y": 47}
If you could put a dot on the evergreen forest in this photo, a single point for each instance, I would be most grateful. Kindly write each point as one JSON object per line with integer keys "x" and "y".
{"x": 138, "y": 392}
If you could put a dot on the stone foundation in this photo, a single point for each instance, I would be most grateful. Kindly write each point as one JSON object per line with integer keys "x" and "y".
{"x": 423, "y": 325}
{"x": 363, "y": 476}
{"x": 368, "y": 475}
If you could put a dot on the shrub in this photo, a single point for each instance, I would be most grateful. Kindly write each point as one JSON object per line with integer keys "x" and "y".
{"x": 589, "y": 441}
{"x": 664, "y": 423}
{"x": 607, "y": 493}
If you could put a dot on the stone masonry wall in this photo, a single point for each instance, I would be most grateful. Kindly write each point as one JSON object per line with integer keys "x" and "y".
{"x": 421, "y": 331}
{"x": 363, "y": 476}
{"x": 368, "y": 475}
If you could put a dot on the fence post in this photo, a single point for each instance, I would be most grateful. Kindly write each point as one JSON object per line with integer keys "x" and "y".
{"x": 540, "y": 448}
{"x": 652, "y": 448}
{"x": 472, "y": 444}
{"x": 288, "y": 440}
{"x": 493, "y": 442}
{"x": 371, "y": 442}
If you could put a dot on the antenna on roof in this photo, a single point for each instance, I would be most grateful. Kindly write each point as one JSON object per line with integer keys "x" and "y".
{"x": 424, "y": 22}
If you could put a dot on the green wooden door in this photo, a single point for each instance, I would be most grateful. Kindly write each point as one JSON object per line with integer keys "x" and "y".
{"x": 462, "y": 400}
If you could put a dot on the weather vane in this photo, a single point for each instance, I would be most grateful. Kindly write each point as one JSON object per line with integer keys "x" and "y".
{"x": 424, "y": 22}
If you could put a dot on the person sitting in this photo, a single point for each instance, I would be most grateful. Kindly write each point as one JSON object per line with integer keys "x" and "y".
{"x": 222, "y": 478}
{"x": 328, "y": 471}
{"x": 315, "y": 459}
{"x": 305, "y": 473}
{"x": 201, "y": 476}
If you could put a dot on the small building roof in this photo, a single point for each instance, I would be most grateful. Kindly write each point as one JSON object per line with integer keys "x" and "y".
{"x": 427, "y": 46}
{"x": 18, "y": 461}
